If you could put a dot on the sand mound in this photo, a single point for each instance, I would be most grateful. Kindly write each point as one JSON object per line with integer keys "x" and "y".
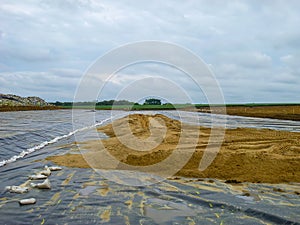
{"x": 246, "y": 155}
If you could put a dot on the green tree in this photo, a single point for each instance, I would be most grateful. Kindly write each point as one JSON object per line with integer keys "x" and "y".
{"x": 152, "y": 101}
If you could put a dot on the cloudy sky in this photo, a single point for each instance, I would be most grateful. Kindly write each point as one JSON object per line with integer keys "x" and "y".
{"x": 252, "y": 47}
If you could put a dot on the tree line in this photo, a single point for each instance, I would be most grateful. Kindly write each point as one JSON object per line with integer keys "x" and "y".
{"x": 151, "y": 101}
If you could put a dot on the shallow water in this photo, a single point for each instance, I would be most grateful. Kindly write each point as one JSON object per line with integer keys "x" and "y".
{"x": 82, "y": 196}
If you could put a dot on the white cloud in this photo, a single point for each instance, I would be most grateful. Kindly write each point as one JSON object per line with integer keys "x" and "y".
{"x": 250, "y": 44}
{"x": 287, "y": 59}
{"x": 254, "y": 60}
{"x": 54, "y": 85}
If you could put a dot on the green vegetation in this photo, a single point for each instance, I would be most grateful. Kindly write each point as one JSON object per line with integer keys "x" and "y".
{"x": 130, "y": 107}
{"x": 92, "y": 104}
{"x": 152, "y": 104}
{"x": 152, "y": 101}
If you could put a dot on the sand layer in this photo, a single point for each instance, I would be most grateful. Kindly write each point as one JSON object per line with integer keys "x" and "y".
{"x": 246, "y": 155}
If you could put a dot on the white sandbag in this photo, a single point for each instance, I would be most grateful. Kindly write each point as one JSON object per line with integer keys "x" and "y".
{"x": 17, "y": 189}
{"x": 55, "y": 168}
{"x": 37, "y": 177}
{"x": 46, "y": 171}
{"x": 27, "y": 201}
{"x": 44, "y": 185}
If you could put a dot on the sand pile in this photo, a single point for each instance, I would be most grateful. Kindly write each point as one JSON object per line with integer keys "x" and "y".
{"x": 246, "y": 155}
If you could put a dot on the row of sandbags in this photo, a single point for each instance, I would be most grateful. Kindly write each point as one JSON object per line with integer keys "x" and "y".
{"x": 44, "y": 174}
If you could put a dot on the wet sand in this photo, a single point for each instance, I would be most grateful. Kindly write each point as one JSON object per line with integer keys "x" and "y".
{"x": 246, "y": 155}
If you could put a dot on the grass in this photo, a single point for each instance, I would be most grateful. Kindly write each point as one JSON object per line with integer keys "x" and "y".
{"x": 129, "y": 107}
{"x": 174, "y": 106}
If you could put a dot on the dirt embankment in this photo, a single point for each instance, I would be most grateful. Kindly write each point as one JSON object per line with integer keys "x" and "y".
{"x": 246, "y": 155}
{"x": 27, "y": 108}
{"x": 289, "y": 112}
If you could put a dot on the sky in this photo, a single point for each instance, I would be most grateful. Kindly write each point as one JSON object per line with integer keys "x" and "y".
{"x": 252, "y": 47}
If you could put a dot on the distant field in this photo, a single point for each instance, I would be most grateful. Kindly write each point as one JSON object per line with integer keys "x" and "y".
{"x": 283, "y": 111}
{"x": 131, "y": 107}
{"x": 287, "y": 112}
